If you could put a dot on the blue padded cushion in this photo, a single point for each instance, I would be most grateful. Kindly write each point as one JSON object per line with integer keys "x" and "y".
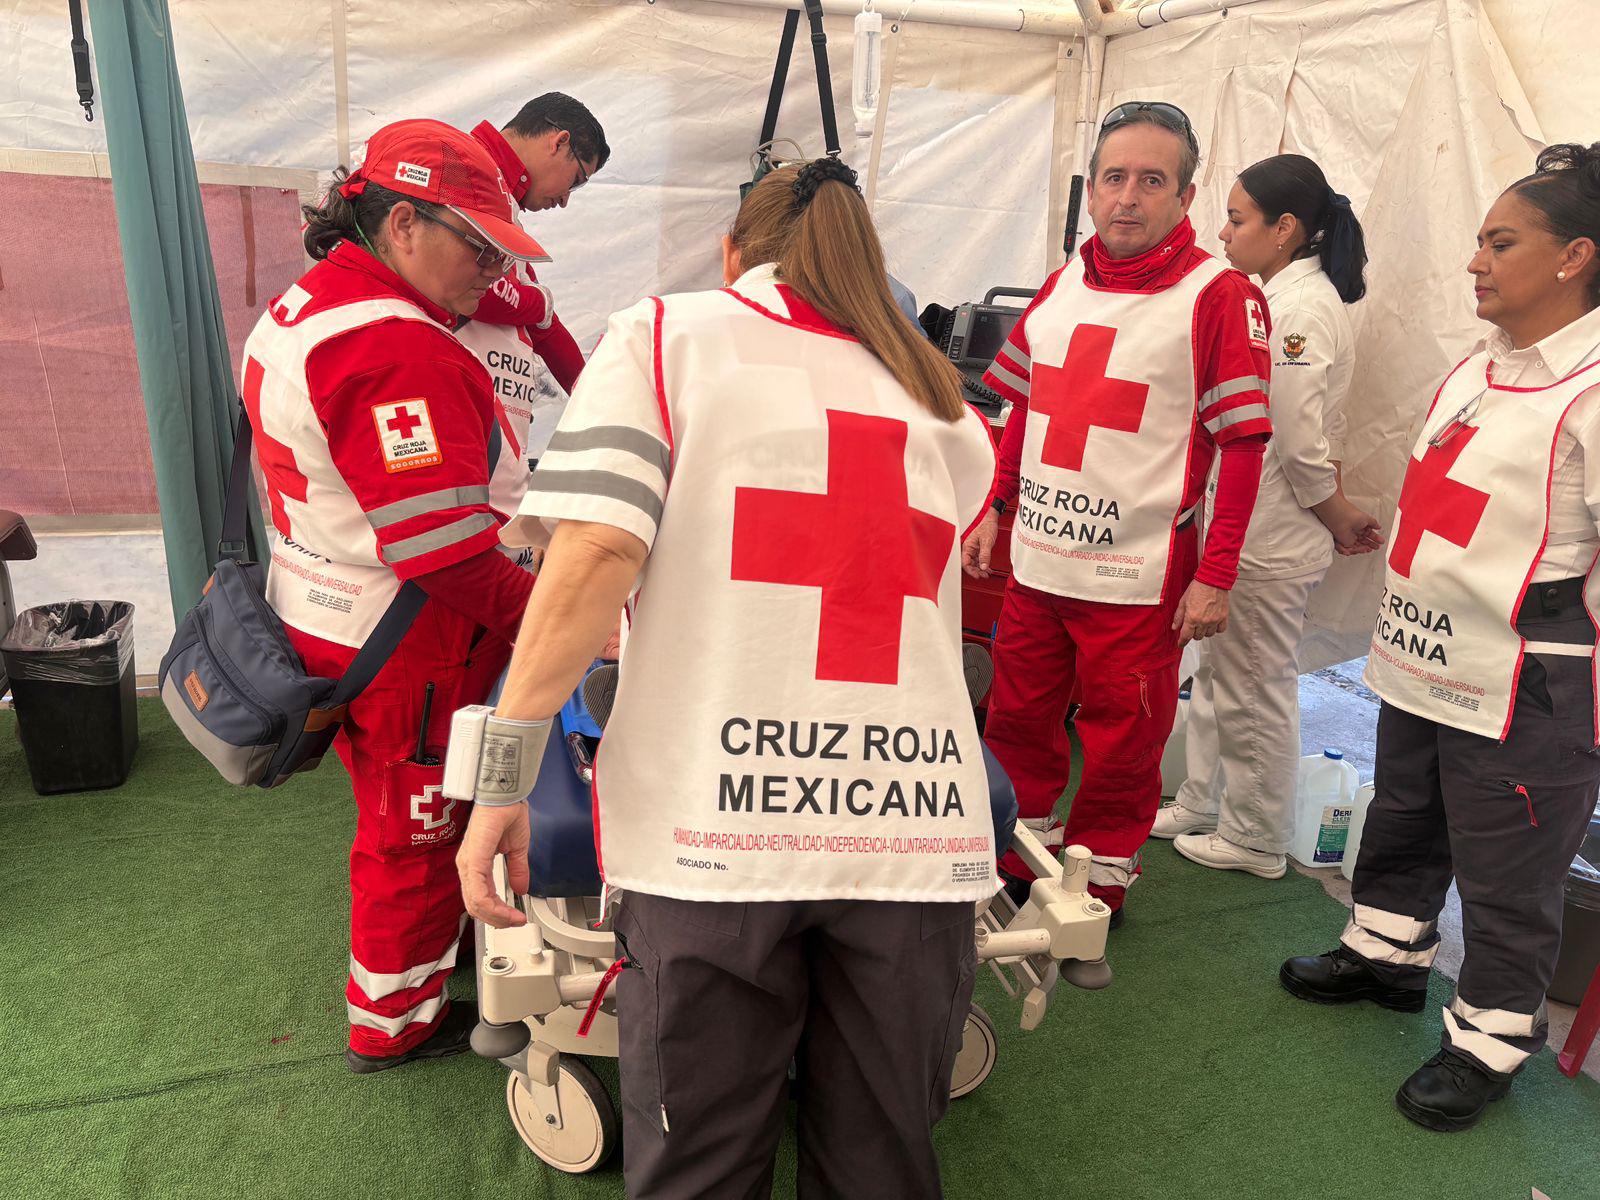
{"x": 1002, "y": 803}
{"x": 561, "y": 857}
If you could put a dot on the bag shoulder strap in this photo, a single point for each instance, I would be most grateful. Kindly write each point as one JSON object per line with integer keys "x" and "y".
{"x": 235, "y": 515}
{"x": 381, "y": 643}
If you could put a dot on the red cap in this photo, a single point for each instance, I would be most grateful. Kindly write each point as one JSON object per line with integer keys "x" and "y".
{"x": 434, "y": 161}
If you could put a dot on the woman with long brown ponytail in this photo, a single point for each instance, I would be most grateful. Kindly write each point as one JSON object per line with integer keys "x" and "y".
{"x": 791, "y": 791}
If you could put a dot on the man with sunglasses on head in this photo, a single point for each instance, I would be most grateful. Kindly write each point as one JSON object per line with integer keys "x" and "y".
{"x": 1135, "y": 365}
{"x": 550, "y": 149}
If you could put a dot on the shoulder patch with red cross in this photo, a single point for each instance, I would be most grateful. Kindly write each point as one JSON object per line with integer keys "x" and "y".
{"x": 1255, "y": 321}
{"x": 405, "y": 431}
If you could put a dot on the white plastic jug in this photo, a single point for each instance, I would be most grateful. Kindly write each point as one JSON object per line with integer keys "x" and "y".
{"x": 1358, "y": 822}
{"x": 1175, "y": 756}
{"x": 1322, "y": 804}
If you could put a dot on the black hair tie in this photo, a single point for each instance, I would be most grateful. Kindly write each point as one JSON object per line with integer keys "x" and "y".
{"x": 818, "y": 172}
{"x": 1335, "y": 200}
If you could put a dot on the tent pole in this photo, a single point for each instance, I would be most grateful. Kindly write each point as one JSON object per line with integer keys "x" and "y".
{"x": 1040, "y": 18}
{"x": 1148, "y": 16}
{"x": 1094, "y": 55}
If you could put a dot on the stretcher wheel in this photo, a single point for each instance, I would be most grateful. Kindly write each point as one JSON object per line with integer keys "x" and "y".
{"x": 589, "y": 1126}
{"x": 979, "y": 1049}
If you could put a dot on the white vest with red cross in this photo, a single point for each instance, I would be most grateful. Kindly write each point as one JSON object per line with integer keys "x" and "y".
{"x": 531, "y": 401}
{"x": 1111, "y": 421}
{"x": 1472, "y": 524}
{"x": 326, "y": 577}
{"x": 792, "y": 721}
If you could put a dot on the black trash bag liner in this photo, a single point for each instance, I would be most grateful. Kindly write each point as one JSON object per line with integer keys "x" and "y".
{"x": 74, "y": 641}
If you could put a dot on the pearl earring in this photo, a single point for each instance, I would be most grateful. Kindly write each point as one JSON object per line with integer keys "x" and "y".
{"x": 1561, "y": 275}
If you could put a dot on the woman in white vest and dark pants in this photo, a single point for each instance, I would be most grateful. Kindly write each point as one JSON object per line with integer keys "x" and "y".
{"x": 1484, "y": 657}
{"x": 1287, "y": 226}
{"x": 791, "y": 791}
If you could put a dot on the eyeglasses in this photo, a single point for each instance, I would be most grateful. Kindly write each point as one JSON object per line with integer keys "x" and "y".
{"x": 1457, "y": 423}
{"x": 583, "y": 175}
{"x": 490, "y": 258}
{"x": 1168, "y": 116}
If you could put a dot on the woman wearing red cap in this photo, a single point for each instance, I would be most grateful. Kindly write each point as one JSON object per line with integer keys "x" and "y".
{"x": 375, "y": 430}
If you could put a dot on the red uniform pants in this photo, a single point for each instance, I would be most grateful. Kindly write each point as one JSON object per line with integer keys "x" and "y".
{"x": 1122, "y": 660}
{"x": 406, "y": 914}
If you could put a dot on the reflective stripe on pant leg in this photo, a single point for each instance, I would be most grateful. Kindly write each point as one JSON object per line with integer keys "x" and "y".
{"x": 1499, "y": 1039}
{"x": 390, "y": 1002}
{"x": 1114, "y": 872}
{"x": 1390, "y": 938}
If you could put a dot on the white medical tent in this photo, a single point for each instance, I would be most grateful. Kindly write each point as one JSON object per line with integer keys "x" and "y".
{"x": 1419, "y": 110}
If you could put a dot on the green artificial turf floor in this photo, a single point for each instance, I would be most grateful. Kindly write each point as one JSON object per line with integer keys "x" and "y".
{"x": 174, "y": 1022}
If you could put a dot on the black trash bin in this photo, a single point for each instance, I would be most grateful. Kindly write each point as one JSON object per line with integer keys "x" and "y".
{"x": 71, "y": 668}
{"x": 1580, "y": 923}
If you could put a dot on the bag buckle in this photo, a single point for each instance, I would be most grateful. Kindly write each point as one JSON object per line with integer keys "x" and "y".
{"x": 233, "y": 549}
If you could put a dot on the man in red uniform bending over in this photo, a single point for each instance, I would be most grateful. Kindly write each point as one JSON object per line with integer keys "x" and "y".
{"x": 1135, "y": 363}
{"x": 550, "y": 149}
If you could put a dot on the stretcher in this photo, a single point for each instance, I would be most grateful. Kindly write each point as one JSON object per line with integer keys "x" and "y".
{"x": 544, "y": 997}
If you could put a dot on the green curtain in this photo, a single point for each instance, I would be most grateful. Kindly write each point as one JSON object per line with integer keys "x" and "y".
{"x": 184, "y": 369}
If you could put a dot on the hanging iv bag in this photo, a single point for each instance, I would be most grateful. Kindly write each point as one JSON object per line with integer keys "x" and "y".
{"x": 866, "y": 71}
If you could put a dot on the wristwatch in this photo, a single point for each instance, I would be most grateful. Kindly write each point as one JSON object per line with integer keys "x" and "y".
{"x": 999, "y": 506}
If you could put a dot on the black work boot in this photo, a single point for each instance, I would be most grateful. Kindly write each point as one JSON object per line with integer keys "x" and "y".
{"x": 1449, "y": 1092}
{"x": 1342, "y": 976}
{"x": 451, "y": 1037}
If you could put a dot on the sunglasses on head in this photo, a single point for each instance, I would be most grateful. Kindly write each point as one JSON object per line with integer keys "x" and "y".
{"x": 1168, "y": 116}
{"x": 490, "y": 258}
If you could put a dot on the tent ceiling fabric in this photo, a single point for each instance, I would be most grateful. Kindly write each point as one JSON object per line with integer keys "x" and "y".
{"x": 1414, "y": 107}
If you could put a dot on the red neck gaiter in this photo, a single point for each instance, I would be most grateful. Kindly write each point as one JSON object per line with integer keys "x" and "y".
{"x": 1160, "y": 266}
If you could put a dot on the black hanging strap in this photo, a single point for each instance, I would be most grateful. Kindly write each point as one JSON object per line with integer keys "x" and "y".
{"x": 780, "y": 73}
{"x": 80, "y": 59}
{"x": 819, "y": 47}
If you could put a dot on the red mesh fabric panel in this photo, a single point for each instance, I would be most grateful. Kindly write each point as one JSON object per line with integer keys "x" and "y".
{"x": 73, "y": 439}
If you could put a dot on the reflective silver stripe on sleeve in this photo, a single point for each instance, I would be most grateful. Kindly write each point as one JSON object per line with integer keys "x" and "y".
{"x": 437, "y": 539}
{"x": 549, "y": 307}
{"x": 1008, "y": 377}
{"x": 1237, "y": 416}
{"x": 612, "y": 437}
{"x": 599, "y": 483}
{"x": 419, "y": 506}
{"x": 1245, "y": 383}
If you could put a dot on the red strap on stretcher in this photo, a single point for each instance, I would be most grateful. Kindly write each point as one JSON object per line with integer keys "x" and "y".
{"x": 606, "y": 980}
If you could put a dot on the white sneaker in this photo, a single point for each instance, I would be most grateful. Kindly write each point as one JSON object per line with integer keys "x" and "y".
{"x": 1214, "y": 850}
{"x": 1174, "y": 818}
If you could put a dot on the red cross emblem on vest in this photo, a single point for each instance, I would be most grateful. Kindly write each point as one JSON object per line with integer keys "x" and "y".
{"x": 403, "y": 422}
{"x": 1432, "y": 502}
{"x": 432, "y": 808}
{"x": 1079, "y": 395}
{"x": 860, "y": 542}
